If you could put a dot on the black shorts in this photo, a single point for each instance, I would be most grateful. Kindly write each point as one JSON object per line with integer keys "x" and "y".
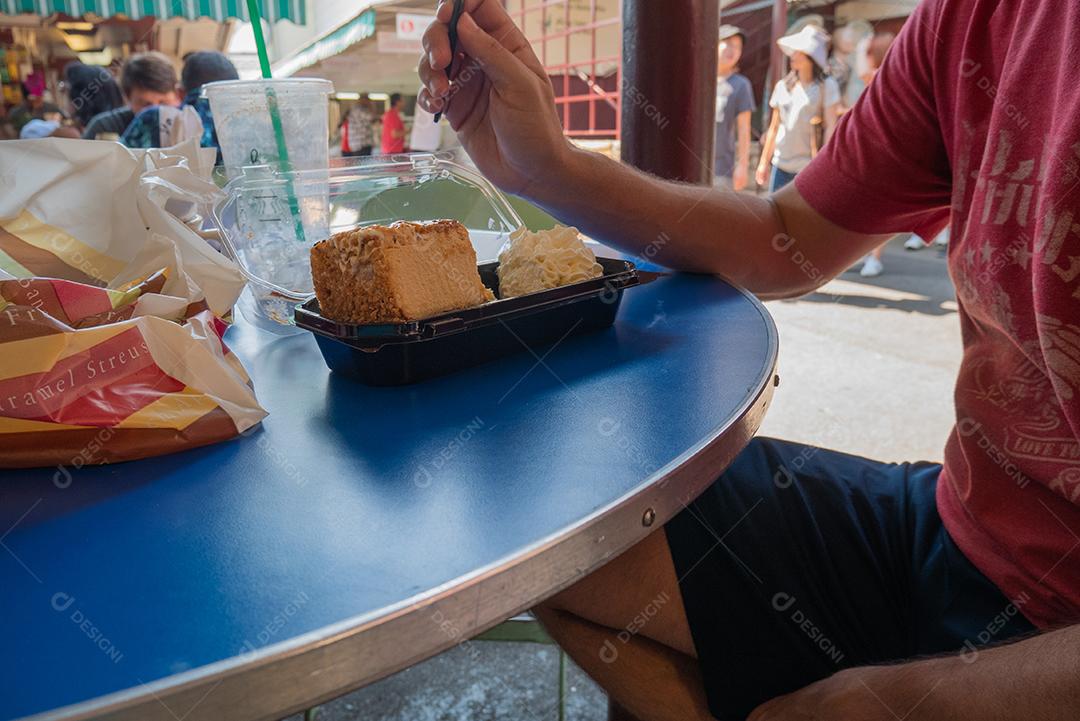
{"x": 799, "y": 562}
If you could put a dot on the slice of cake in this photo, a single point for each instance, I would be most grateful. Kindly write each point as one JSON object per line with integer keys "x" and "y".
{"x": 397, "y": 273}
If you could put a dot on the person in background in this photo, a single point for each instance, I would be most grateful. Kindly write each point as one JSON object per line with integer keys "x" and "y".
{"x": 38, "y": 128}
{"x": 426, "y": 134}
{"x": 360, "y": 129}
{"x": 734, "y": 104}
{"x": 841, "y": 62}
{"x": 873, "y": 266}
{"x": 146, "y": 79}
{"x": 34, "y": 106}
{"x": 89, "y": 91}
{"x": 805, "y": 98}
{"x": 846, "y": 64}
{"x": 393, "y": 127}
{"x": 162, "y": 126}
{"x": 7, "y": 130}
{"x": 343, "y": 134}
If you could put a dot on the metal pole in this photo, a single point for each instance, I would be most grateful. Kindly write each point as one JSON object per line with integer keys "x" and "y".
{"x": 669, "y": 87}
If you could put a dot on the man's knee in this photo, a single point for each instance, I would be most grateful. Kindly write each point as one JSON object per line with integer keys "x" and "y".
{"x": 620, "y": 587}
{"x": 575, "y": 599}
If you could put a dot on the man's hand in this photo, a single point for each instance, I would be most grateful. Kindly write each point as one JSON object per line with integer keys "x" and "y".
{"x": 739, "y": 178}
{"x": 875, "y": 693}
{"x": 762, "y": 174}
{"x": 500, "y": 102}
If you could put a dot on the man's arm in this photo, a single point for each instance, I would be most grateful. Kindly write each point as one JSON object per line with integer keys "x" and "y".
{"x": 768, "y": 146}
{"x": 742, "y": 149}
{"x": 502, "y": 108}
{"x": 776, "y": 247}
{"x": 1037, "y": 679}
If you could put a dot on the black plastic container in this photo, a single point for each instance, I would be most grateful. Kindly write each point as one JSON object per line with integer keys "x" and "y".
{"x": 389, "y": 355}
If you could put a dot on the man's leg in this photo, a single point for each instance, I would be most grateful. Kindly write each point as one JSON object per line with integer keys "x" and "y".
{"x": 795, "y": 564}
{"x": 651, "y": 681}
{"x": 625, "y": 626}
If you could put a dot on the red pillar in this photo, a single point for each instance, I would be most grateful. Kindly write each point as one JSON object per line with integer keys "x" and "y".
{"x": 669, "y": 87}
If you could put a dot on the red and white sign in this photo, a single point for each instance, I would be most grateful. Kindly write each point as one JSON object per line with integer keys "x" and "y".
{"x": 390, "y": 43}
{"x": 411, "y": 26}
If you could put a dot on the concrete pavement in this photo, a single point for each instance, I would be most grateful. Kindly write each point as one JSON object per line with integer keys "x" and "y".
{"x": 867, "y": 365}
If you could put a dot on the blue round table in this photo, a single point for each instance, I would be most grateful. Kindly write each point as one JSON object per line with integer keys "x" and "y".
{"x": 361, "y": 530}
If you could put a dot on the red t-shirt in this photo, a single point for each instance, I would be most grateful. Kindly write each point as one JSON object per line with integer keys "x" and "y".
{"x": 974, "y": 120}
{"x": 391, "y": 122}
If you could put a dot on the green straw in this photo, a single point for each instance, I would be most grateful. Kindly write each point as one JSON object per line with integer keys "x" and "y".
{"x": 255, "y": 16}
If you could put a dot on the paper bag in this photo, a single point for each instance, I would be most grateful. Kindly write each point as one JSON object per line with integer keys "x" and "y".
{"x": 111, "y": 308}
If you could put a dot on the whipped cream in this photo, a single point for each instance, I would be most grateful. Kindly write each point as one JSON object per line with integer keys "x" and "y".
{"x": 530, "y": 262}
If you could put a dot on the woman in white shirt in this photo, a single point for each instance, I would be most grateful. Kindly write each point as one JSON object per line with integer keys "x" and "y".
{"x": 806, "y": 97}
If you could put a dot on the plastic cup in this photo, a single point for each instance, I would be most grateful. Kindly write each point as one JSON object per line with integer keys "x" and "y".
{"x": 278, "y": 224}
{"x": 245, "y": 128}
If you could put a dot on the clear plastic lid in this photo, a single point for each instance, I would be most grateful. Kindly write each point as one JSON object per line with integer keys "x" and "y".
{"x": 270, "y": 220}
{"x": 257, "y": 87}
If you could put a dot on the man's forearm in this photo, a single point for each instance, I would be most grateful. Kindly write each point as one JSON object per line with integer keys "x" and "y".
{"x": 742, "y": 155}
{"x": 742, "y": 147}
{"x": 1037, "y": 679}
{"x": 775, "y": 248}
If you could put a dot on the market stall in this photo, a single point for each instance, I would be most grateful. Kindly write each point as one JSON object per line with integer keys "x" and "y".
{"x": 367, "y": 53}
{"x": 42, "y": 37}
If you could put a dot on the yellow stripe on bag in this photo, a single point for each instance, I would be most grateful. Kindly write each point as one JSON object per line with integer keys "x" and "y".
{"x": 37, "y": 355}
{"x": 19, "y": 425}
{"x": 10, "y": 265}
{"x": 175, "y": 410}
{"x": 123, "y": 297}
{"x": 67, "y": 248}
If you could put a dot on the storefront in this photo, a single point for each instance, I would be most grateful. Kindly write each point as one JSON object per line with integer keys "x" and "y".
{"x": 375, "y": 51}
{"x": 41, "y": 36}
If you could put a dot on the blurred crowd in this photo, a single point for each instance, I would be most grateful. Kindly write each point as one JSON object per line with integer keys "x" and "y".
{"x": 371, "y": 127}
{"x": 826, "y": 75}
{"x": 147, "y": 106}
{"x": 365, "y": 123}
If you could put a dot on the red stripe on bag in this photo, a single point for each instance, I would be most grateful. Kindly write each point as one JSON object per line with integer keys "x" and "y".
{"x": 80, "y": 301}
{"x": 99, "y": 386}
{"x": 108, "y": 405}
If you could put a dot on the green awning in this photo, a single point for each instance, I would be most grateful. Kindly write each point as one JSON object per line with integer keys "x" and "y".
{"x": 359, "y": 28}
{"x": 220, "y": 10}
